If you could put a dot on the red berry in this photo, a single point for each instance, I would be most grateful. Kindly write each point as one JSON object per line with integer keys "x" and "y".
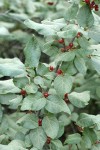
{"x": 70, "y": 45}
{"x": 50, "y": 3}
{"x": 59, "y": 72}
{"x": 79, "y": 34}
{"x": 23, "y": 92}
{"x": 96, "y": 8}
{"x": 40, "y": 122}
{"x": 93, "y": 3}
{"x": 66, "y": 95}
{"x": 67, "y": 47}
{"x": 45, "y": 94}
{"x": 48, "y": 140}
{"x": 61, "y": 41}
{"x": 87, "y": 1}
{"x": 51, "y": 68}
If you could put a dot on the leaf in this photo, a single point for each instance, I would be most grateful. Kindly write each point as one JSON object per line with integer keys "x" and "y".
{"x": 85, "y": 17}
{"x": 73, "y": 139}
{"x": 11, "y": 67}
{"x": 4, "y": 99}
{"x": 62, "y": 85}
{"x": 71, "y": 12}
{"x": 94, "y": 33}
{"x": 31, "y": 88}
{"x": 57, "y": 144}
{"x": 32, "y": 53}
{"x": 55, "y": 105}
{"x": 14, "y": 103}
{"x": 86, "y": 120}
{"x": 20, "y": 82}
{"x": 7, "y": 86}
{"x": 47, "y": 28}
{"x": 51, "y": 126}
{"x": 33, "y": 102}
{"x": 83, "y": 42}
{"x": 79, "y": 100}
{"x": 38, "y": 137}
{"x": 66, "y": 57}
{"x": 95, "y": 60}
{"x": 31, "y": 122}
{"x": 80, "y": 65}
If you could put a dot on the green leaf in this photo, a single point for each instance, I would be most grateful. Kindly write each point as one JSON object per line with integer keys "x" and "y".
{"x": 11, "y": 67}
{"x": 38, "y": 137}
{"x": 15, "y": 102}
{"x": 86, "y": 120}
{"x": 4, "y": 99}
{"x": 55, "y": 105}
{"x": 32, "y": 53}
{"x": 63, "y": 84}
{"x": 31, "y": 88}
{"x": 7, "y": 86}
{"x": 51, "y": 126}
{"x": 94, "y": 33}
{"x": 57, "y": 144}
{"x": 47, "y": 28}
{"x": 20, "y": 82}
{"x": 79, "y": 100}
{"x": 71, "y": 12}
{"x": 85, "y": 17}
{"x": 83, "y": 42}
{"x": 33, "y": 102}
{"x": 80, "y": 65}
{"x": 73, "y": 139}
{"x": 31, "y": 122}
{"x": 67, "y": 56}
{"x": 95, "y": 60}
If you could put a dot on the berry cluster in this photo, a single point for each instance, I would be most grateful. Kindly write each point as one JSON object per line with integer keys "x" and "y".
{"x": 92, "y": 5}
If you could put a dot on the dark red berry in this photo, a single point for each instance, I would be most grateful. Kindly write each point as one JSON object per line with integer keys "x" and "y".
{"x": 61, "y": 41}
{"x": 87, "y": 1}
{"x": 96, "y": 8}
{"x": 50, "y": 3}
{"x": 66, "y": 95}
{"x": 93, "y": 3}
{"x": 48, "y": 140}
{"x": 70, "y": 45}
{"x": 59, "y": 72}
{"x": 23, "y": 92}
{"x": 40, "y": 122}
{"x": 51, "y": 68}
{"x": 79, "y": 34}
{"x": 45, "y": 94}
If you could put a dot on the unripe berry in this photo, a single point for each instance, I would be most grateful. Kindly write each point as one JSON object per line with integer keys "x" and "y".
{"x": 50, "y": 3}
{"x": 51, "y": 68}
{"x": 40, "y": 122}
{"x": 48, "y": 140}
{"x": 59, "y": 72}
{"x": 61, "y": 41}
{"x": 70, "y": 45}
{"x": 45, "y": 94}
{"x": 23, "y": 92}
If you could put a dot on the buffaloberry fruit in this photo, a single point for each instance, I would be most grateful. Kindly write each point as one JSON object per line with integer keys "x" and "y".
{"x": 79, "y": 34}
{"x": 40, "y": 122}
{"x": 59, "y": 72}
{"x": 96, "y": 8}
{"x": 23, "y": 92}
{"x": 45, "y": 94}
{"x": 51, "y": 68}
{"x": 48, "y": 140}
{"x": 70, "y": 45}
{"x": 61, "y": 41}
{"x": 50, "y": 3}
{"x": 87, "y": 1}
